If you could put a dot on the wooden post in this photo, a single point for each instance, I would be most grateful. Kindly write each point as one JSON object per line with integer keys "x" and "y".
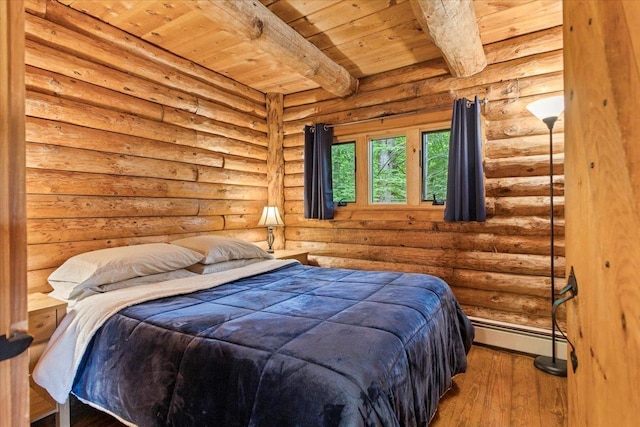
{"x": 14, "y": 385}
{"x": 602, "y": 82}
{"x": 275, "y": 160}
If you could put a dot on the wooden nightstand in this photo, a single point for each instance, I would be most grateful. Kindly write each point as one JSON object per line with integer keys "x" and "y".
{"x": 300, "y": 255}
{"x": 45, "y": 313}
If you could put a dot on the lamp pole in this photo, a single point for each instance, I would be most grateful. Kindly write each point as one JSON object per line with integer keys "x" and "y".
{"x": 550, "y": 122}
{"x": 553, "y": 365}
{"x": 548, "y": 110}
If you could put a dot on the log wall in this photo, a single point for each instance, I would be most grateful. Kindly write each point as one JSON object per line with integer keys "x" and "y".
{"x": 499, "y": 269}
{"x": 127, "y": 143}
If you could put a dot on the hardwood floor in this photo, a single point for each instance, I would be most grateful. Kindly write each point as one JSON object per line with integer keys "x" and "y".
{"x": 503, "y": 389}
{"x": 499, "y": 389}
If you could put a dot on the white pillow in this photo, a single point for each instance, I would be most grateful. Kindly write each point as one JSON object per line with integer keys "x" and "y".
{"x": 112, "y": 265}
{"x": 148, "y": 280}
{"x": 221, "y": 248}
{"x": 222, "y": 266}
{"x": 127, "y": 283}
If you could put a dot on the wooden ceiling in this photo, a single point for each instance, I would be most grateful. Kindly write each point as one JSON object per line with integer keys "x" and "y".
{"x": 365, "y": 37}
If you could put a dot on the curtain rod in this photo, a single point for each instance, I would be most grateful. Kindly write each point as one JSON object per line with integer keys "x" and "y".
{"x": 483, "y": 101}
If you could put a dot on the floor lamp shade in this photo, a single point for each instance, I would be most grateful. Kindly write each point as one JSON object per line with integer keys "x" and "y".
{"x": 548, "y": 110}
{"x": 547, "y": 107}
{"x": 270, "y": 218}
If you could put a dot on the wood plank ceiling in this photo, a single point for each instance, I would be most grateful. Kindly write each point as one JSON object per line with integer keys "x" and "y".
{"x": 365, "y": 37}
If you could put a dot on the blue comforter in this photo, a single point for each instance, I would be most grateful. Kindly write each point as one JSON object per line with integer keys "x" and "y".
{"x": 298, "y": 346}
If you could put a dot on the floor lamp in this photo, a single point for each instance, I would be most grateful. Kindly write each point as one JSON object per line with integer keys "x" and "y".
{"x": 548, "y": 110}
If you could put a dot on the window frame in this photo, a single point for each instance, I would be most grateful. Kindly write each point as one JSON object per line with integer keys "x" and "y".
{"x": 413, "y": 132}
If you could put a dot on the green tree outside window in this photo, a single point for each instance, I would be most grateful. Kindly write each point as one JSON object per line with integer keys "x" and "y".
{"x": 388, "y": 170}
{"x": 435, "y": 160}
{"x": 343, "y": 172}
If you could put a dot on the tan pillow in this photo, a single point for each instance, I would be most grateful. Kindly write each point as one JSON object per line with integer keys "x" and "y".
{"x": 221, "y": 248}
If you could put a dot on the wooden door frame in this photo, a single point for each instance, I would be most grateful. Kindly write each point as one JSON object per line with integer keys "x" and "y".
{"x": 602, "y": 198}
{"x": 14, "y": 383}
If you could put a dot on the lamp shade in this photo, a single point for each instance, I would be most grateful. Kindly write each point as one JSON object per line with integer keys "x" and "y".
{"x": 547, "y": 107}
{"x": 270, "y": 217}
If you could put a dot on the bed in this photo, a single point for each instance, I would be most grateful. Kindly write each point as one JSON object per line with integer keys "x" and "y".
{"x": 237, "y": 338}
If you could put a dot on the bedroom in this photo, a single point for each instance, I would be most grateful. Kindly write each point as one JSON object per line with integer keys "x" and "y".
{"x": 196, "y": 158}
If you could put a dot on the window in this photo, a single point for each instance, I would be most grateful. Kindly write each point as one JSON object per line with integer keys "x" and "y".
{"x": 343, "y": 171}
{"x": 393, "y": 164}
{"x": 388, "y": 166}
{"x": 435, "y": 161}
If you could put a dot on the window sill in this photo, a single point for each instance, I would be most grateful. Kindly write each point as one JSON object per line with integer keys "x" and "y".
{"x": 426, "y": 206}
{"x": 425, "y": 212}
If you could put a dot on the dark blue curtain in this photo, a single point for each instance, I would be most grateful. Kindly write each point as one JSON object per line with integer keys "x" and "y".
{"x": 465, "y": 184}
{"x": 318, "y": 185}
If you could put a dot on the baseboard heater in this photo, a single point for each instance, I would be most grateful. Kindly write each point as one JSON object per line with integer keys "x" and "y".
{"x": 524, "y": 339}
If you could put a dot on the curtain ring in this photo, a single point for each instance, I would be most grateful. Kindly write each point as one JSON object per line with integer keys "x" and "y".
{"x": 483, "y": 101}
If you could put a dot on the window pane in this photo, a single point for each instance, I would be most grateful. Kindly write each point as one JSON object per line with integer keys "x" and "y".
{"x": 388, "y": 170}
{"x": 343, "y": 172}
{"x": 435, "y": 160}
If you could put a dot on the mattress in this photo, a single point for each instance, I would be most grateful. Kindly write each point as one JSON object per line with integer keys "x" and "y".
{"x": 288, "y": 345}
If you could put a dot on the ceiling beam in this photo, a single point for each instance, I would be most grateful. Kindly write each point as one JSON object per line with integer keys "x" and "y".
{"x": 256, "y": 24}
{"x": 453, "y": 28}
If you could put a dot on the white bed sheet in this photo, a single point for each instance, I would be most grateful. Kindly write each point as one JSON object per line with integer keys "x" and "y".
{"x": 57, "y": 367}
